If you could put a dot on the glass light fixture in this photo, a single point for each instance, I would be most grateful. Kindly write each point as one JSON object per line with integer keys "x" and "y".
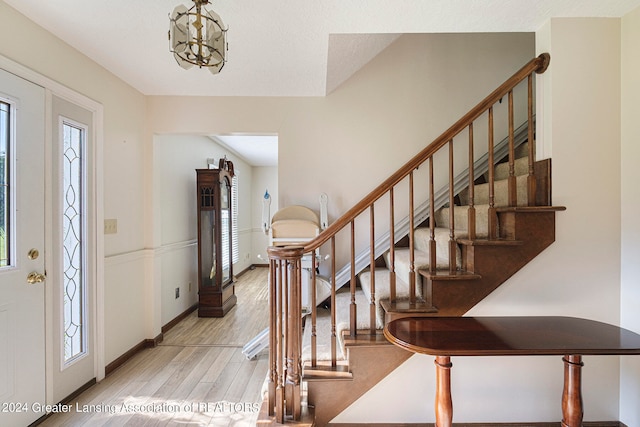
{"x": 198, "y": 37}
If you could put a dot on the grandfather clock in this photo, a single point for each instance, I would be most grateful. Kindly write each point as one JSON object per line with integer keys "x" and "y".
{"x": 216, "y": 293}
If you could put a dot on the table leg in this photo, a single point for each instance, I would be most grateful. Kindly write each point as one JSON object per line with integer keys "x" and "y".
{"x": 444, "y": 404}
{"x": 572, "y": 394}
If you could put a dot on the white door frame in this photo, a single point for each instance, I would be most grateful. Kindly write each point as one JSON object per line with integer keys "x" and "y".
{"x": 95, "y": 221}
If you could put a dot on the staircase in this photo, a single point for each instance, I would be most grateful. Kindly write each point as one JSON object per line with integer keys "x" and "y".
{"x": 481, "y": 264}
{"x": 444, "y": 265}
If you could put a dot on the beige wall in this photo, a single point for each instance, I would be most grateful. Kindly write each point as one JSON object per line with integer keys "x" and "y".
{"x": 630, "y": 197}
{"x": 577, "y": 276}
{"x": 346, "y": 143}
{"x": 338, "y": 132}
{"x": 123, "y": 165}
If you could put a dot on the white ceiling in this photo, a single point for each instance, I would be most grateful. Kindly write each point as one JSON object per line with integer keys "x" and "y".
{"x": 256, "y": 150}
{"x": 280, "y": 47}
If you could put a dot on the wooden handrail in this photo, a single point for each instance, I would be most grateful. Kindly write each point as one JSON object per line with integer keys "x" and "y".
{"x": 537, "y": 65}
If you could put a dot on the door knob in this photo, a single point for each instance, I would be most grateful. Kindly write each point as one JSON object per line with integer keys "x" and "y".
{"x": 35, "y": 277}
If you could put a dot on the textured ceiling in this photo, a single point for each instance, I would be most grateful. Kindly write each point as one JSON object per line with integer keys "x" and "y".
{"x": 280, "y": 47}
{"x": 256, "y": 150}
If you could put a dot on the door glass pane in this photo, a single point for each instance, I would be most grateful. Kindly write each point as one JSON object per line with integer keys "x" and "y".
{"x": 208, "y": 237}
{"x": 5, "y": 206}
{"x": 73, "y": 247}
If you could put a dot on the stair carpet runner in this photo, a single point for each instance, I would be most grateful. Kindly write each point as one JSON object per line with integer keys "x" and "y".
{"x": 421, "y": 261}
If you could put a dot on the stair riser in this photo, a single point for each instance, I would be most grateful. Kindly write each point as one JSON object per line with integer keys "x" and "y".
{"x": 526, "y": 225}
{"x": 368, "y": 365}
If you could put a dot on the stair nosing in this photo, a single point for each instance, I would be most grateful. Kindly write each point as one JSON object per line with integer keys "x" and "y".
{"x": 531, "y": 208}
{"x": 489, "y": 242}
{"x": 388, "y": 307}
{"x": 447, "y": 275}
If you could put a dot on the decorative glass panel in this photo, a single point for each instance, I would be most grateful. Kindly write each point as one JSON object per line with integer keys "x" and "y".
{"x": 208, "y": 247}
{"x": 225, "y": 229}
{"x": 5, "y": 205}
{"x": 73, "y": 250}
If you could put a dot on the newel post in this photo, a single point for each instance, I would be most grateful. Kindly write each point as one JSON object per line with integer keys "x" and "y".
{"x": 285, "y": 332}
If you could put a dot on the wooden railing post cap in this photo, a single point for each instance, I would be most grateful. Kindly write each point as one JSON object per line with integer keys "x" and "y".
{"x": 543, "y": 62}
{"x": 285, "y": 252}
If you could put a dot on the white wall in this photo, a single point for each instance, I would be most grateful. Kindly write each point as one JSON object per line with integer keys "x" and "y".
{"x": 175, "y": 159}
{"x": 264, "y": 179}
{"x": 577, "y": 276}
{"x": 630, "y": 227}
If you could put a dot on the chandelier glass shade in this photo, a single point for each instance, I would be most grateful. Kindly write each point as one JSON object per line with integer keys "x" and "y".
{"x": 198, "y": 37}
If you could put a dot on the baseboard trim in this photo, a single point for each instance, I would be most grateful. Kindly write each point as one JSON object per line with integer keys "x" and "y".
{"x": 251, "y": 267}
{"x": 78, "y": 392}
{"x": 180, "y": 317}
{"x": 153, "y": 342}
{"x": 149, "y": 342}
{"x": 144, "y": 344}
{"x": 584, "y": 424}
{"x": 67, "y": 400}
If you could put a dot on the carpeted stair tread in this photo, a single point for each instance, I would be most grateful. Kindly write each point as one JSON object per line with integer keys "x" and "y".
{"x": 383, "y": 289}
{"x": 520, "y": 167}
{"x": 461, "y": 222}
{"x": 323, "y": 325}
{"x": 422, "y": 237}
{"x": 501, "y": 193}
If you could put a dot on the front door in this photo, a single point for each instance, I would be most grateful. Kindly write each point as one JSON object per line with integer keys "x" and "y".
{"x": 22, "y": 257}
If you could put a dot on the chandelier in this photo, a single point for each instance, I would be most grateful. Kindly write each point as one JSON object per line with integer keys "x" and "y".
{"x": 198, "y": 37}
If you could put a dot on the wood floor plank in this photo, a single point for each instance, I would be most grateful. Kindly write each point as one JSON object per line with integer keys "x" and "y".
{"x": 240, "y": 381}
{"x": 219, "y": 365}
{"x": 197, "y": 376}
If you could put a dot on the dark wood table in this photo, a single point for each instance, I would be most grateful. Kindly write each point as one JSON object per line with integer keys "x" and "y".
{"x": 569, "y": 337}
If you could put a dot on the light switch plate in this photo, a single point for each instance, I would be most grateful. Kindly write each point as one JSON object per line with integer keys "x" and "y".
{"x": 110, "y": 226}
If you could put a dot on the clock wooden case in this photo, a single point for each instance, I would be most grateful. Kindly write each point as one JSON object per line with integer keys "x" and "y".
{"x": 216, "y": 292}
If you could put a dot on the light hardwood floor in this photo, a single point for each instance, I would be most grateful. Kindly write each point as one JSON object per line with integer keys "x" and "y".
{"x": 197, "y": 376}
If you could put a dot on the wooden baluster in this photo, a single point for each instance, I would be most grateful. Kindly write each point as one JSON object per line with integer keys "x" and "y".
{"x": 452, "y": 233}
{"x": 294, "y": 329}
{"x": 372, "y": 269}
{"x": 314, "y": 312}
{"x": 333, "y": 302}
{"x": 432, "y": 221}
{"x": 471, "y": 226}
{"x": 286, "y": 298}
{"x": 280, "y": 409}
{"x": 297, "y": 349}
{"x": 531, "y": 178}
{"x": 392, "y": 249}
{"x": 273, "y": 329}
{"x": 493, "y": 223}
{"x": 352, "y": 286}
{"x": 511, "y": 183}
{"x": 412, "y": 265}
